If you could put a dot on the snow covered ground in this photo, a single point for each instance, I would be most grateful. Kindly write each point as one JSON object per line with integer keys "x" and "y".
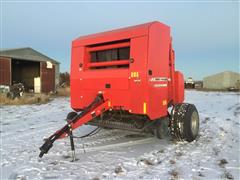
{"x": 120, "y": 154}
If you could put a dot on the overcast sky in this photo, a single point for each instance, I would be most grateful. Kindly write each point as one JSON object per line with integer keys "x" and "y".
{"x": 205, "y": 34}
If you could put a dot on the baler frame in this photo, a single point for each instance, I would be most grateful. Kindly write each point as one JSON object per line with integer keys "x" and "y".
{"x": 97, "y": 107}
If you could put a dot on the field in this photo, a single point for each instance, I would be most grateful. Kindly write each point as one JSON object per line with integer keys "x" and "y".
{"x": 121, "y": 154}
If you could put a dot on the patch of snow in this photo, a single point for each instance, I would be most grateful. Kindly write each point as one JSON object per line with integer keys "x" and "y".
{"x": 114, "y": 153}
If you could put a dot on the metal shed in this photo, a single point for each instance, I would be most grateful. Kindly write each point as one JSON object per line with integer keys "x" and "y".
{"x": 25, "y": 65}
{"x": 223, "y": 80}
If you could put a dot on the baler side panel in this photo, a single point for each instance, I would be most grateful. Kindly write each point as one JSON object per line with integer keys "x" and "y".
{"x": 137, "y": 74}
{"x": 94, "y": 81}
{"x": 158, "y": 64}
{"x": 77, "y": 58}
{"x": 171, "y": 87}
{"x": 179, "y": 87}
{"x": 87, "y": 82}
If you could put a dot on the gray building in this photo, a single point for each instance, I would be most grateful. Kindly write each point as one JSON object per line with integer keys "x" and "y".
{"x": 221, "y": 81}
{"x": 38, "y": 72}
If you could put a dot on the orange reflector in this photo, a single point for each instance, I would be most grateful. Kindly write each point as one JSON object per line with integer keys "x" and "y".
{"x": 164, "y": 103}
{"x": 109, "y": 103}
{"x": 144, "y": 108}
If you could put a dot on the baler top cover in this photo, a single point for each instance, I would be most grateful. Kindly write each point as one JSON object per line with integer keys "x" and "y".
{"x": 115, "y": 35}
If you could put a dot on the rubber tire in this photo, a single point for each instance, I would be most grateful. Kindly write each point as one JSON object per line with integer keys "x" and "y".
{"x": 188, "y": 134}
{"x": 161, "y": 130}
{"x": 71, "y": 115}
{"x": 181, "y": 122}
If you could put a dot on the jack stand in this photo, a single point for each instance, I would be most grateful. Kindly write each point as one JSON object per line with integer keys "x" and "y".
{"x": 83, "y": 148}
{"x": 72, "y": 146}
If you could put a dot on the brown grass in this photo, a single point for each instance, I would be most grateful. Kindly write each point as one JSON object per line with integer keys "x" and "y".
{"x": 63, "y": 91}
{"x": 25, "y": 99}
{"x": 216, "y": 90}
{"x": 28, "y": 98}
{"x": 174, "y": 174}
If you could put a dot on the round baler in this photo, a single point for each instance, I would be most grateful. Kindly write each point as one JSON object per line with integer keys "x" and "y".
{"x": 126, "y": 79}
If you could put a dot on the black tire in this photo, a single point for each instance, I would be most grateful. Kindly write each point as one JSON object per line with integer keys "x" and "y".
{"x": 161, "y": 130}
{"x": 184, "y": 123}
{"x": 71, "y": 115}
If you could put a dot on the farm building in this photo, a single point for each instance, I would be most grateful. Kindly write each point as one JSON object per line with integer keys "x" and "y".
{"x": 37, "y": 72}
{"x": 223, "y": 80}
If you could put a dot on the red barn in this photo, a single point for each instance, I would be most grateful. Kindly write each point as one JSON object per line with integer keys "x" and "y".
{"x": 35, "y": 70}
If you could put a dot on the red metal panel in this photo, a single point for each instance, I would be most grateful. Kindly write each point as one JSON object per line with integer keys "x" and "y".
{"x": 138, "y": 73}
{"x": 179, "y": 87}
{"x": 5, "y": 71}
{"x": 111, "y": 63}
{"x": 112, "y": 46}
{"x": 158, "y": 63}
{"x": 114, "y": 35}
{"x": 47, "y": 78}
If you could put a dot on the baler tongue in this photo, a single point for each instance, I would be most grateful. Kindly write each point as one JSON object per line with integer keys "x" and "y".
{"x": 94, "y": 109}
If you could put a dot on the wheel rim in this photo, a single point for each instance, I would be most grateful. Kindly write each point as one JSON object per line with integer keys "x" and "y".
{"x": 194, "y": 123}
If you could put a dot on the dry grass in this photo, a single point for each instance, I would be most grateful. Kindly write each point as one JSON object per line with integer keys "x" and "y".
{"x": 216, "y": 90}
{"x": 174, "y": 174}
{"x": 34, "y": 98}
{"x": 25, "y": 99}
{"x": 63, "y": 91}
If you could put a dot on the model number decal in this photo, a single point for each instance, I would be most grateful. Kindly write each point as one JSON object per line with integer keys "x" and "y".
{"x": 160, "y": 85}
{"x": 134, "y": 74}
{"x": 160, "y": 79}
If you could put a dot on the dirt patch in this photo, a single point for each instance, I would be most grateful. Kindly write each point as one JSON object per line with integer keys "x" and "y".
{"x": 161, "y": 151}
{"x": 228, "y": 175}
{"x": 148, "y": 162}
{"x": 222, "y": 162}
{"x": 238, "y": 108}
{"x": 174, "y": 174}
{"x": 236, "y": 113}
{"x": 172, "y": 162}
{"x": 67, "y": 157}
{"x": 54, "y": 162}
{"x": 119, "y": 170}
{"x": 135, "y": 136}
{"x": 178, "y": 153}
{"x": 216, "y": 151}
{"x": 96, "y": 178}
{"x": 206, "y": 120}
{"x": 200, "y": 174}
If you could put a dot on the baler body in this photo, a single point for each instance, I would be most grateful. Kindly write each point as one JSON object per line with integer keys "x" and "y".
{"x": 132, "y": 67}
{"x": 126, "y": 79}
